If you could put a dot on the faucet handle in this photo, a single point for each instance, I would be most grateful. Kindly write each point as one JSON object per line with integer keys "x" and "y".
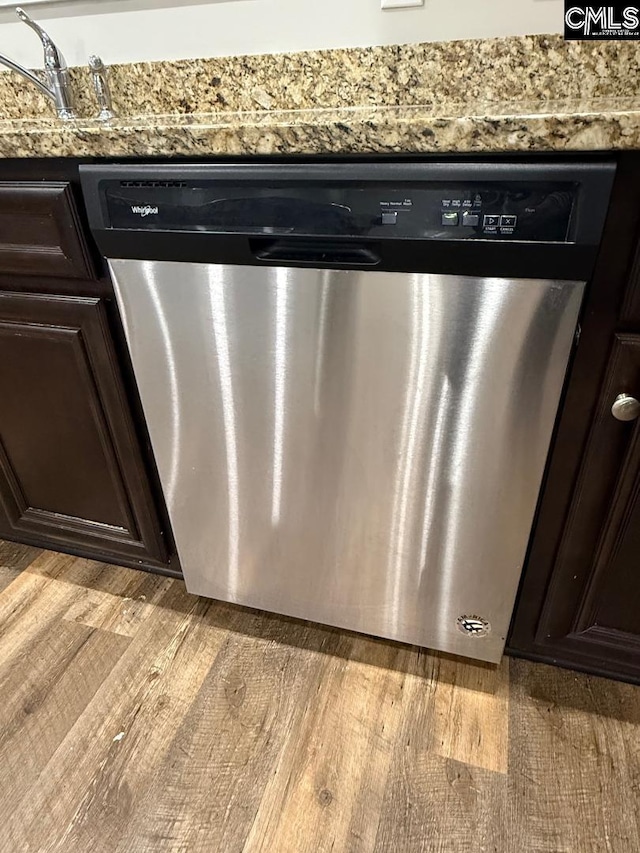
{"x": 53, "y": 58}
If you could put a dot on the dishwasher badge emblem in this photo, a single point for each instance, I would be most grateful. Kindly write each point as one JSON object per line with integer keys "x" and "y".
{"x": 473, "y": 626}
{"x": 144, "y": 210}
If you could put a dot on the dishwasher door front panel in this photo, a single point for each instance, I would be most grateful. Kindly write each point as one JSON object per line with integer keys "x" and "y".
{"x": 363, "y": 449}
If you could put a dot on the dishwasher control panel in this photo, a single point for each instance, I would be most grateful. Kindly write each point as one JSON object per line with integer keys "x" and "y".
{"x": 539, "y": 211}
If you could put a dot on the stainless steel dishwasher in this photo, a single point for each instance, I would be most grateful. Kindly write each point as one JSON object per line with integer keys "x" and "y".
{"x": 350, "y": 374}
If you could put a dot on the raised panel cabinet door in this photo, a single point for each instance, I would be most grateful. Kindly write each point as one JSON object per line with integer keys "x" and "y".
{"x": 71, "y": 471}
{"x": 592, "y": 608}
{"x": 39, "y": 231}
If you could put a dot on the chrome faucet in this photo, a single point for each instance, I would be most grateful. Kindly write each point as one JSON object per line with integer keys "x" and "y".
{"x": 58, "y": 83}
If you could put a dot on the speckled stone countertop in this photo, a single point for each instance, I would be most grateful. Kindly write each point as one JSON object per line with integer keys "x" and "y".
{"x": 528, "y": 93}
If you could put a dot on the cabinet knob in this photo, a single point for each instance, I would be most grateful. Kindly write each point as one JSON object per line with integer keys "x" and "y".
{"x": 625, "y": 408}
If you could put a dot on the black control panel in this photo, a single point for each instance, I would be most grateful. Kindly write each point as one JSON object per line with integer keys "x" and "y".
{"x": 483, "y": 210}
{"x": 520, "y": 217}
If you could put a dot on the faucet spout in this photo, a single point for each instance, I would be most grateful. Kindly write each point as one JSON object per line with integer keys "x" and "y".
{"x": 53, "y": 57}
{"x": 58, "y": 83}
{"x": 4, "y": 60}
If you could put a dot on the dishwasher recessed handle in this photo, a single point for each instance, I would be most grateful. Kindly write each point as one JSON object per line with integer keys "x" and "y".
{"x": 326, "y": 252}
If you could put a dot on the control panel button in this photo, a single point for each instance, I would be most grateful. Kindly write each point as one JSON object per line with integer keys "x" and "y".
{"x": 508, "y": 221}
{"x": 389, "y": 217}
{"x": 470, "y": 219}
{"x": 449, "y": 218}
{"x": 490, "y": 220}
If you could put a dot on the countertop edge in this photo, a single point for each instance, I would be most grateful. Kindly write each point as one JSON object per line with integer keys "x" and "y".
{"x": 322, "y": 132}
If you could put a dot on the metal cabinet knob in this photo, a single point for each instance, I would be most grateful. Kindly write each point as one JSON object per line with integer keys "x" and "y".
{"x": 625, "y": 408}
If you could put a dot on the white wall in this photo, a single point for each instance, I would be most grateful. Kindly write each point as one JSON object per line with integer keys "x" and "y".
{"x": 129, "y": 30}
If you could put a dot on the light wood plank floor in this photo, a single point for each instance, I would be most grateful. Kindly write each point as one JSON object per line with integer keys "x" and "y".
{"x": 135, "y": 717}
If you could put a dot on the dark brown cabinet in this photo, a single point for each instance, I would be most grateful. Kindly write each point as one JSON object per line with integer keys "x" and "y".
{"x": 40, "y": 232}
{"x": 71, "y": 471}
{"x": 76, "y": 471}
{"x": 579, "y": 603}
{"x": 592, "y": 608}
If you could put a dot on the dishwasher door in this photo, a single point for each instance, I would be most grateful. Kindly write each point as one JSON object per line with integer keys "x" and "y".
{"x": 363, "y": 449}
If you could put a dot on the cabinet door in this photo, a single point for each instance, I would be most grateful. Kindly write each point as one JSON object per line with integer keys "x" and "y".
{"x": 39, "y": 231}
{"x": 592, "y": 608}
{"x": 71, "y": 472}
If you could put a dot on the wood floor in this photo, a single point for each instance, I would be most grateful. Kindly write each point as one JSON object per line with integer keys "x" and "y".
{"x": 135, "y": 717}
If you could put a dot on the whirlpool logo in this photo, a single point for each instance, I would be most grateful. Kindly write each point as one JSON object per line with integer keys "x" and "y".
{"x": 590, "y": 22}
{"x": 144, "y": 210}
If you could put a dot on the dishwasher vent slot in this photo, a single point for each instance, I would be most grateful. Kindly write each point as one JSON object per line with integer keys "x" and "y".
{"x": 147, "y": 184}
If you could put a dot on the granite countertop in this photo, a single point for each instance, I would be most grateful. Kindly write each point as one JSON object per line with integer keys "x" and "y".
{"x": 596, "y": 125}
{"x": 532, "y": 93}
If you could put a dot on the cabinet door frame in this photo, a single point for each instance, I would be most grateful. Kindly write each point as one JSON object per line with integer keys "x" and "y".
{"x": 84, "y": 321}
